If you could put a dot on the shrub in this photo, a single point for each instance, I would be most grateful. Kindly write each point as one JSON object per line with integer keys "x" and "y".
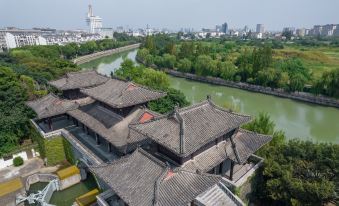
{"x": 17, "y": 161}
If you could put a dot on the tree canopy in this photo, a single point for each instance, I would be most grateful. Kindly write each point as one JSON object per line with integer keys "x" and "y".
{"x": 155, "y": 80}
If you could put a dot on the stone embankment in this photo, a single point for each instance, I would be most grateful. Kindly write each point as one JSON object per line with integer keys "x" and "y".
{"x": 90, "y": 57}
{"x": 300, "y": 96}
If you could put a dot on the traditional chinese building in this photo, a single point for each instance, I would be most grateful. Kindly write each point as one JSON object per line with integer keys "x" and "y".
{"x": 203, "y": 137}
{"x": 187, "y": 157}
{"x": 71, "y": 83}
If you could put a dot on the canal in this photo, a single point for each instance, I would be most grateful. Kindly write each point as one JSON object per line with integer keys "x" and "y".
{"x": 296, "y": 119}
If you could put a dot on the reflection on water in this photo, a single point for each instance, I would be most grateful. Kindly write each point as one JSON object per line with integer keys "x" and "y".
{"x": 106, "y": 65}
{"x": 297, "y": 119}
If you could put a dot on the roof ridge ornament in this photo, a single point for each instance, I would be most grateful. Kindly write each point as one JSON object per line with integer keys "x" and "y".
{"x": 234, "y": 146}
{"x": 176, "y": 114}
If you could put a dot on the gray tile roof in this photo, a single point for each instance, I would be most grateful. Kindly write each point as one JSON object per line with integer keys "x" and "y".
{"x": 187, "y": 129}
{"x": 142, "y": 179}
{"x": 111, "y": 126}
{"x": 51, "y": 105}
{"x": 120, "y": 94}
{"x": 246, "y": 143}
{"x": 78, "y": 80}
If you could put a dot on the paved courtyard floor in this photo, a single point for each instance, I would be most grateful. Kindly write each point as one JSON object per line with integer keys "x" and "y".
{"x": 29, "y": 167}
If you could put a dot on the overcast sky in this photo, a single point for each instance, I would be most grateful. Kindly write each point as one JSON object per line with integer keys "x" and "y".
{"x": 173, "y": 14}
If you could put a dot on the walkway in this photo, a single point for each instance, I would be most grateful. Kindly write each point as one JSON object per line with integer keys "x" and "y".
{"x": 90, "y": 143}
{"x": 29, "y": 167}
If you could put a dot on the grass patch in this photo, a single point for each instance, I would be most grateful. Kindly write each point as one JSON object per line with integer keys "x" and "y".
{"x": 317, "y": 59}
{"x": 55, "y": 152}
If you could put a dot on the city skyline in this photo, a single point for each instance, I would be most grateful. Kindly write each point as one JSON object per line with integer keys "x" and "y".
{"x": 157, "y": 14}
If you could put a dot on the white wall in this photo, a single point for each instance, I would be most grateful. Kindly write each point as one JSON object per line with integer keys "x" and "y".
{"x": 9, "y": 162}
{"x": 10, "y": 41}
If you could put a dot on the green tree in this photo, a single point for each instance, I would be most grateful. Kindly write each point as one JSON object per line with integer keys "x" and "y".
{"x": 70, "y": 50}
{"x": 169, "y": 61}
{"x": 184, "y": 65}
{"x": 14, "y": 116}
{"x": 186, "y": 50}
{"x": 166, "y": 104}
{"x": 227, "y": 70}
{"x": 329, "y": 83}
{"x": 142, "y": 53}
{"x": 297, "y": 82}
{"x": 203, "y": 65}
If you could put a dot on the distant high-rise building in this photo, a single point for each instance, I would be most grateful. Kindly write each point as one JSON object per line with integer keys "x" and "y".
{"x": 224, "y": 28}
{"x": 301, "y": 32}
{"x": 260, "y": 28}
{"x": 94, "y": 22}
{"x": 289, "y": 29}
{"x": 246, "y": 29}
{"x": 218, "y": 28}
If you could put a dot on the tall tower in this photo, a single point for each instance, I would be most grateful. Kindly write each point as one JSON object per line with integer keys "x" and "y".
{"x": 94, "y": 22}
{"x": 90, "y": 11}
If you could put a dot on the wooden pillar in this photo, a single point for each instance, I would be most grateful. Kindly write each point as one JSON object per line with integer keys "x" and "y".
{"x": 50, "y": 124}
{"x": 232, "y": 168}
{"x": 220, "y": 168}
{"x": 109, "y": 148}
{"x": 97, "y": 140}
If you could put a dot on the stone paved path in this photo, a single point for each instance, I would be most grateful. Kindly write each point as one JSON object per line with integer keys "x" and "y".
{"x": 29, "y": 167}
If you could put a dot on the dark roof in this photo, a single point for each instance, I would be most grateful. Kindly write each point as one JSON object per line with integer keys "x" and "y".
{"x": 51, "y": 105}
{"x": 186, "y": 130}
{"x": 120, "y": 94}
{"x": 246, "y": 143}
{"x": 111, "y": 126}
{"x": 142, "y": 179}
{"x": 79, "y": 80}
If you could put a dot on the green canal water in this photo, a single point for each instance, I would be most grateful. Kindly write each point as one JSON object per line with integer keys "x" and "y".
{"x": 67, "y": 197}
{"x": 296, "y": 119}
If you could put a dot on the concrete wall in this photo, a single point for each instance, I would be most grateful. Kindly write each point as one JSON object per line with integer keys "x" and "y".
{"x": 39, "y": 178}
{"x": 69, "y": 181}
{"x": 9, "y": 162}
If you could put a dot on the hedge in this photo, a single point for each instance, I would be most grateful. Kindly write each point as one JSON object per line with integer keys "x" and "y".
{"x": 18, "y": 161}
{"x": 69, "y": 152}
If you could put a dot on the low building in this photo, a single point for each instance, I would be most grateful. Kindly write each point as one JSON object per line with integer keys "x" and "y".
{"x": 140, "y": 157}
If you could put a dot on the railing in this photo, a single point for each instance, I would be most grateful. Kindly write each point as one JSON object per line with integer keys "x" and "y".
{"x": 233, "y": 197}
{"x": 101, "y": 198}
{"x": 39, "y": 178}
{"x": 46, "y": 135}
{"x": 73, "y": 140}
{"x": 250, "y": 172}
{"x": 80, "y": 147}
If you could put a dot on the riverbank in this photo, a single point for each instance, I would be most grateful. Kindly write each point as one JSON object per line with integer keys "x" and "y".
{"x": 91, "y": 57}
{"x": 299, "y": 96}
{"x": 299, "y": 120}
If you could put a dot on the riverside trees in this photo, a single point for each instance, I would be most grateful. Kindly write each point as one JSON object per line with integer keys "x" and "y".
{"x": 156, "y": 80}
{"x": 254, "y": 64}
{"x": 294, "y": 172}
